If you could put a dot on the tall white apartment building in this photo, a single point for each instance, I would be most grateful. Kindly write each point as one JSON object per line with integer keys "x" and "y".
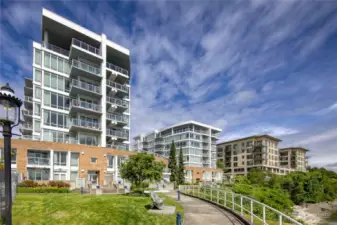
{"x": 197, "y": 140}
{"x": 80, "y": 90}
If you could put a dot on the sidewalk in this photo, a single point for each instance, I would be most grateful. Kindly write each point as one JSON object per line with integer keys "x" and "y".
{"x": 198, "y": 212}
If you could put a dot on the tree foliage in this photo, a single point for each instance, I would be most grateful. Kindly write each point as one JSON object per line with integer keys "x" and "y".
{"x": 141, "y": 167}
{"x": 219, "y": 164}
{"x": 172, "y": 163}
{"x": 181, "y": 175}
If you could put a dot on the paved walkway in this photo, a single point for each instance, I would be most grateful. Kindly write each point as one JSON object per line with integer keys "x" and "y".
{"x": 198, "y": 212}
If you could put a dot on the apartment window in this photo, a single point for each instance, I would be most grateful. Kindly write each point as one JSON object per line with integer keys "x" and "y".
{"x": 37, "y": 57}
{"x": 88, "y": 140}
{"x": 93, "y": 159}
{"x": 37, "y": 75}
{"x": 60, "y": 158}
{"x": 120, "y": 160}
{"x": 235, "y": 146}
{"x": 235, "y": 164}
{"x": 242, "y": 163}
{"x": 111, "y": 159}
{"x": 56, "y": 63}
{"x": 56, "y": 100}
{"x": 74, "y": 159}
{"x": 37, "y": 126}
{"x": 73, "y": 175}
{"x": 37, "y": 92}
{"x": 56, "y": 136}
{"x": 13, "y": 155}
{"x": 37, "y": 109}
{"x": 243, "y": 157}
{"x": 38, "y": 174}
{"x": 55, "y": 119}
{"x": 242, "y": 151}
{"x": 59, "y": 175}
{"x": 235, "y": 158}
{"x": 55, "y": 81}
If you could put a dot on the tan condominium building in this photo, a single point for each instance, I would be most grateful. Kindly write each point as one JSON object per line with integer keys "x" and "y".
{"x": 293, "y": 158}
{"x": 241, "y": 155}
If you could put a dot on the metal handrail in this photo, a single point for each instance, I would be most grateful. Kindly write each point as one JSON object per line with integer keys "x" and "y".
{"x": 118, "y": 102}
{"x": 86, "y": 86}
{"x": 116, "y": 117}
{"x": 85, "y": 46}
{"x": 118, "y": 86}
{"x": 86, "y": 67}
{"x": 117, "y": 68}
{"x": 237, "y": 206}
{"x": 84, "y": 123}
{"x": 55, "y": 48}
{"x": 118, "y": 146}
{"x": 86, "y": 105}
{"x": 38, "y": 161}
{"x": 117, "y": 133}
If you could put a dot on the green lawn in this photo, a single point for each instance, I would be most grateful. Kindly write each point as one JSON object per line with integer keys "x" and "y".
{"x": 50, "y": 209}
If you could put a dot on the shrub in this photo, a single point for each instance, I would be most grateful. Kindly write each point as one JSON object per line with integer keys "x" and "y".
{"x": 42, "y": 190}
{"x": 28, "y": 183}
{"x": 59, "y": 184}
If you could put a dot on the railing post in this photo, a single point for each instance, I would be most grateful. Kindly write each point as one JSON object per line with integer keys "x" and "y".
{"x": 233, "y": 199}
{"x": 217, "y": 196}
{"x": 280, "y": 219}
{"x": 251, "y": 212}
{"x": 241, "y": 207}
{"x": 225, "y": 199}
{"x": 264, "y": 214}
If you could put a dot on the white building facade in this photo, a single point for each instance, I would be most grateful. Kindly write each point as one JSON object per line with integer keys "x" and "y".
{"x": 80, "y": 90}
{"x": 197, "y": 140}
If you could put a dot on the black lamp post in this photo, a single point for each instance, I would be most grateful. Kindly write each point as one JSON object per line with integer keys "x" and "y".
{"x": 9, "y": 118}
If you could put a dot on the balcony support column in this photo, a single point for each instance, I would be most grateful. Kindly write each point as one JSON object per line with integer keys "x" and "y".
{"x": 45, "y": 37}
{"x": 51, "y": 175}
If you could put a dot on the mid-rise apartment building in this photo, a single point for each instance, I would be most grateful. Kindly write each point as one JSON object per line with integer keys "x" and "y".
{"x": 197, "y": 140}
{"x": 294, "y": 158}
{"x": 262, "y": 152}
{"x": 80, "y": 90}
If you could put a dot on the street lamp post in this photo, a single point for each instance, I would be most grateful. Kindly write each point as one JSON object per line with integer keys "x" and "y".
{"x": 9, "y": 118}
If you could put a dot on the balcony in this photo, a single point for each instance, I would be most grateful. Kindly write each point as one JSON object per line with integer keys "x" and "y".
{"x": 55, "y": 48}
{"x": 28, "y": 102}
{"x": 118, "y": 119}
{"x": 124, "y": 147}
{"x": 80, "y": 49}
{"x": 117, "y": 105}
{"x": 27, "y": 115}
{"x": 38, "y": 161}
{"x": 84, "y": 125}
{"x": 82, "y": 69}
{"x": 83, "y": 88}
{"x": 159, "y": 143}
{"x": 84, "y": 107}
{"x": 117, "y": 89}
{"x": 26, "y": 129}
{"x": 117, "y": 134}
{"x": 117, "y": 69}
{"x": 29, "y": 137}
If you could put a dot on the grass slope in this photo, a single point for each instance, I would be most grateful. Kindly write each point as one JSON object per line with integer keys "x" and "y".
{"x": 50, "y": 209}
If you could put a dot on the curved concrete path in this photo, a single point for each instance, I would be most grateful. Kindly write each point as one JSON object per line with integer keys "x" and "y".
{"x": 198, "y": 212}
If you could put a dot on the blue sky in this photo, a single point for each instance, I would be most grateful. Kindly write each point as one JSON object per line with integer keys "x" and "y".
{"x": 247, "y": 67}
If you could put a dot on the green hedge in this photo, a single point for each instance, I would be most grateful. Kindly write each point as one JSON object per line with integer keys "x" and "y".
{"x": 42, "y": 190}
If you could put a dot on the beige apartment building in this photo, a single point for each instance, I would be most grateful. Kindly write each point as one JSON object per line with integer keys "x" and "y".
{"x": 293, "y": 158}
{"x": 241, "y": 155}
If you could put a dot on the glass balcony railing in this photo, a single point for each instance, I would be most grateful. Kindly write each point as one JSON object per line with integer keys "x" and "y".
{"x": 29, "y": 137}
{"x": 85, "y": 105}
{"x": 117, "y": 117}
{"x": 86, "y": 86}
{"x": 27, "y": 126}
{"x": 124, "y": 147}
{"x": 85, "y": 46}
{"x": 118, "y": 102}
{"x": 118, "y": 86}
{"x": 88, "y": 68}
{"x": 55, "y": 48}
{"x": 117, "y": 133}
{"x": 28, "y": 99}
{"x": 38, "y": 161}
{"x": 117, "y": 68}
{"x": 85, "y": 124}
{"x": 27, "y": 112}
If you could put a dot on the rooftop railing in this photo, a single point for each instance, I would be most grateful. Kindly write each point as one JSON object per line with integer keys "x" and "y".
{"x": 86, "y": 86}
{"x": 86, "y": 67}
{"x": 117, "y": 68}
{"x": 250, "y": 209}
{"x": 118, "y": 86}
{"x": 55, "y": 48}
{"x": 85, "y": 46}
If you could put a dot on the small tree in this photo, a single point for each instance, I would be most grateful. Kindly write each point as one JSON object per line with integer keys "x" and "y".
{"x": 172, "y": 162}
{"x": 181, "y": 176}
{"x": 141, "y": 167}
{"x": 219, "y": 164}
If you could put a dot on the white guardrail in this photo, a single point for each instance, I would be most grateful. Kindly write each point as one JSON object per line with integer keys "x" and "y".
{"x": 250, "y": 209}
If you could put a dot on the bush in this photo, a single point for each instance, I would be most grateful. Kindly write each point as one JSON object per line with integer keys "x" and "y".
{"x": 42, "y": 190}
{"x": 28, "y": 183}
{"x": 59, "y": 184}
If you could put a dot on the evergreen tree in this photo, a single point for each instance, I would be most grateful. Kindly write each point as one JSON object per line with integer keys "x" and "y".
{"x": 172, "y": 163}
{"x": 181, "y": 176}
